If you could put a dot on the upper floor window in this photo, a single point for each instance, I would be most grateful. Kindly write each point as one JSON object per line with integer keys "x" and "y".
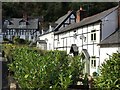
{"x": 23, "y": 23}
{"x": 8, "y": 22}
{"x": 58, "y": 37}
{"x": 93, "y": 35}
{"x": 93, "y": 62}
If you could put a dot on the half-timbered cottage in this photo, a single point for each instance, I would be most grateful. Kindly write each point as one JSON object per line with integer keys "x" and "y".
{"x": 25, "y": 28}
{"x": 48, "y": 36}
{"x": 83, "y": 37}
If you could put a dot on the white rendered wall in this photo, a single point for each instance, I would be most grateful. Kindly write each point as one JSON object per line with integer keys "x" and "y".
{"x": 105, "y": 52}
{"x": 50, "y": 40}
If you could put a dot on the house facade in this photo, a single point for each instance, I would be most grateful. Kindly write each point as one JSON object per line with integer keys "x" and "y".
{"x": 109, "y": 46}
{"x": 48, "y": 36}
{"x": 25, "y": 28}
{"x": 86, "y": 35}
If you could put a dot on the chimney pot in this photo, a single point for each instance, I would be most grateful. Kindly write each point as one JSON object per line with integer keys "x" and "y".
{"x": 81, "y": 8}
{"x": 69, "y": 11}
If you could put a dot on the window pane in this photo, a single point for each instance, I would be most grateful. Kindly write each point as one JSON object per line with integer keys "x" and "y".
{"x": 94, "y": 36}
{"x": 91, "y": 36}
{"x": 94, "y": 63}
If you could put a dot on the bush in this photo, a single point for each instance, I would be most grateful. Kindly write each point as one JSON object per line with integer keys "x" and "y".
{"x": 44, "y": 70}
{"x": 110, "y": 73}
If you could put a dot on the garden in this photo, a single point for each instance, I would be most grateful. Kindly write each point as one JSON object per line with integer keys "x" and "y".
{"x": 39, "y": 69}
{"x": 33, "y": 68}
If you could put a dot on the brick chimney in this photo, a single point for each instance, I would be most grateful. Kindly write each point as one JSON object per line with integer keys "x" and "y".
{"x": 80, "y": 14}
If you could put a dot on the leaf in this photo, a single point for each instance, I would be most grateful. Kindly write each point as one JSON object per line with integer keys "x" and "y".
{"x": 26, "y": 76}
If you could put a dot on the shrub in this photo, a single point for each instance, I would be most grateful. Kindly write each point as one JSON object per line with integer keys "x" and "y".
{"x": 110, "y": 73}
{"x": 44, "y": 70}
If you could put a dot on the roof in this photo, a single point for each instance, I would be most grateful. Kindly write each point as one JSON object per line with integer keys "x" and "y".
{"x": 73, "y": 48}
{"x": 15, "y": 23}
{"x": 88, "y": 20}
{"x": 113, "y": 39}
{"x": 62, "y": 19}
{"x": 86, "y": 54}
{"x": 42, "y": 41}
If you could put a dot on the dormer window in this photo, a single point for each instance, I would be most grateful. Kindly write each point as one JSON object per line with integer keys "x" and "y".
{"x": 23, "y": 23}
{"x": 93, "y": 35}
{"x": 7, "y": 22}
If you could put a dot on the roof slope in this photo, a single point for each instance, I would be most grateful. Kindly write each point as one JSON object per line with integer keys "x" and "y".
{"x": 88, "y": 20}
{"x": 15, "y": 23}
{"x": 114, "y": 38}
{"x": 62, "y": 19}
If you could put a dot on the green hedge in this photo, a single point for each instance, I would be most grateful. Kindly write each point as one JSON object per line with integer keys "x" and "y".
{"x": 110, "y": 74}
{"x": 44, "y": 69}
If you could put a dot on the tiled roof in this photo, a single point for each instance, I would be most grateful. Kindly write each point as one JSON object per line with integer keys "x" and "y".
{"x": 88, "y": 20}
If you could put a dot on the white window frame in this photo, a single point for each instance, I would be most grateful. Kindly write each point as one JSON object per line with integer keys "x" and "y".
{"x": 93, "y": 62}
{"x": 93, "y": 35}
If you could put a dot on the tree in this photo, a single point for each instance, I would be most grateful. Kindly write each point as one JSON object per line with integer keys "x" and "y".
{"x": 52, "y": 10}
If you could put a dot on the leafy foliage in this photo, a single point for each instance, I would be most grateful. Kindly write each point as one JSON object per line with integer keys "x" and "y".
{"x": 53, "y": 10}
{"x": 110, "y": 73}
{"x": 44, "y": 70}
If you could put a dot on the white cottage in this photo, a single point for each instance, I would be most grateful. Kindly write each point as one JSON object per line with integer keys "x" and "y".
{"x": 86, "y": 35}
{"x": 48, "y": 36}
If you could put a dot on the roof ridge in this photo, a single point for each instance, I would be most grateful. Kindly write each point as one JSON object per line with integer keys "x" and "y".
{"x": 101, "y": 12}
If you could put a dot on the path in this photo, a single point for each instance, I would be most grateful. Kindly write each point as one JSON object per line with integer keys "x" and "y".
{"x": 3, "y": 74}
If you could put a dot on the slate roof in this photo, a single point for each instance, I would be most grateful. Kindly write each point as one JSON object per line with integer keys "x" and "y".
{"x": 62, "y": 19}
{"x": 15, "y": 23}
{"x": 42, "y": 41}
{"x": 114, "y": 38}
{"x": 87, "y": 21}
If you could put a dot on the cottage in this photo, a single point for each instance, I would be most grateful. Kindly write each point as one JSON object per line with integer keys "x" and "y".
{"x": 48, "y": 36}
{"x": 87, "y": 35}
{"x": 25, "y": 28}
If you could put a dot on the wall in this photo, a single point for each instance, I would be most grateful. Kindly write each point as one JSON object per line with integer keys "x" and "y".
{"x": 49, "y": 39}
{"x": 64, "y": 41}
{"x": 105, "y": 52}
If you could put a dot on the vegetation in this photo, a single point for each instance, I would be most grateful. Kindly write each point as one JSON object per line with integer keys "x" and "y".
{"x": 110, "y": 73}
{"x": 53, "y": 10}
{"x": 43, "y": 69}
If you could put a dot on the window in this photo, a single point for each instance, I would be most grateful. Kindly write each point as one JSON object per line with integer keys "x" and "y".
{"x": 31, "y": 37}
{"x": 93, "y": 62}
{"x": 22, "y": 24}
{"x": 58, "y": 37}
{"x": 93, "y": 35}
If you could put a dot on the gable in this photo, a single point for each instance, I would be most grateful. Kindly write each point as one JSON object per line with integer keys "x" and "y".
{"x": 87, "y": 21}
{"x": 65, "y": 20}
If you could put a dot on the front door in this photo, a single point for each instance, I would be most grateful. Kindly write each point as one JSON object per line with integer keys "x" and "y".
{"x": 86, "y": 59}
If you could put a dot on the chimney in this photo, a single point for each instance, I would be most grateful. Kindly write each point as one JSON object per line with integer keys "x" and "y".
{"x": 69, "y": 11}
{"x": 80, "y": 14}
{"x": 25, "y": 17}
{"x": 42, "y": 32}
{"x": 50, "y": 27}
